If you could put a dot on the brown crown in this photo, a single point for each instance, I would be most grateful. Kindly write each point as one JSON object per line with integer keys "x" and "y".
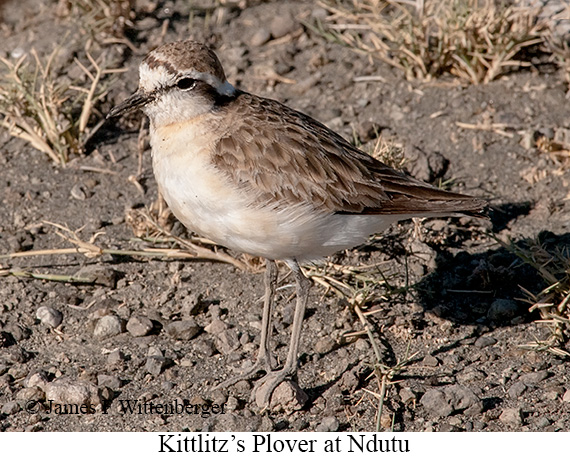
{"x": 181, "y": 56}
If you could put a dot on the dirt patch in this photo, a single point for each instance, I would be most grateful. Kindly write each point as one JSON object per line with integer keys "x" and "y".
{"x": 445, "y": 289}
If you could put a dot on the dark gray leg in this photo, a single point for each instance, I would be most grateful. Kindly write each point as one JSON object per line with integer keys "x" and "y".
{"x": 265, "y": 360}
{"x": 266, "y": 385}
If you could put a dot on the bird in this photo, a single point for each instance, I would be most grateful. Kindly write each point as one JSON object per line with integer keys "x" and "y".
{"x": 259, "y": 177}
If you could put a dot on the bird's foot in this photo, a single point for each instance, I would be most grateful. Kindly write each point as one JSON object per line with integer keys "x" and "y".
{"x": 265, "y": 387}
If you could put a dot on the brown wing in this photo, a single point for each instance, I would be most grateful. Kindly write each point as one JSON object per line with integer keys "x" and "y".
{"x": 296, "y": 159}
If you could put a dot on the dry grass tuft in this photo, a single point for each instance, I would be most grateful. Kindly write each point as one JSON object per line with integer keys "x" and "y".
{"x": 101, "y": 21}
{"x": 47, "y": 111}
{"x": 553, "y": 302}
{"x": 474, "y": 40}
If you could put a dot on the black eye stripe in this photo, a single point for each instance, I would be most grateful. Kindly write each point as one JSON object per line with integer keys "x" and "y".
{"x": 185, "y": 83}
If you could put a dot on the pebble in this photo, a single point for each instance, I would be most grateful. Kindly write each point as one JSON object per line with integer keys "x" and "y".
{"x": 531, "y": 379}
{"x": 113, "y": 382}
{"x": 444, "y": 401}
{"x": 11, "y": 407}
{"x": 232, "y": 404}
{"x": 139, "y": 325}
{"x": 542, "y": 422}
{"x": 183, "y": 330}
{"x": 484, "y": 341}
{"x": 287, "y": 397}
{"x": 325, "y": 345}
{"x": 115, "y": 357}
{"x": 99, "y": 274}
{"x": 502, "y": 310}
{"x": 516, "y": 390}
{"x": 107, "y": 327}
{"x": 425, "y": 166}
{"x": 407, "y": 395}
{"x": 31, "y": 393}
{"x": 328, "y": 424}
{"x": 16, "y": 354}
{"x": 511, "y": 416}
{"x": 37, "y": 379}
{"x": 362, "y": 345}
{"x": 424, "y": 252}
{"x": 66, "y": 391}
{"x": 566, "y": 397}
{"x": 430, "y": 361}
{"x": 227, "y": 342}
{"x": 194, "y": 304}
{"x": 216, "y": 326}
{"x": 155, "y": 364}
{"x": 260, "y": 37}
{"x": 49, "y": 316}
{"x": 282, "y": 24}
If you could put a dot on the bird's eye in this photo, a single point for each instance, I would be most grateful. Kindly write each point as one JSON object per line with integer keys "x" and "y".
{"x": 186, "y": 83}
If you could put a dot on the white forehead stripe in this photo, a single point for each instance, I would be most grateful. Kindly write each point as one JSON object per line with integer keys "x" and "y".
{"x": 153, "y": 78}
{"x": 158, "y": 77}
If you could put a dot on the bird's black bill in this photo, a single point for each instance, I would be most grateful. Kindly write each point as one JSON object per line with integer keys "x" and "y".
{"x": 130, "y": 104}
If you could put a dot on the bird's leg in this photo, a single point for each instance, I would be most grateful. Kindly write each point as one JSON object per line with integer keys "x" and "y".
{"x": 265, "y": 361}
{"x": 266, "y": 385}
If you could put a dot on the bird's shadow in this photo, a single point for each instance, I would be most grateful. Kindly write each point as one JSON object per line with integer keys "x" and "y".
{"x": 466, "y": 288}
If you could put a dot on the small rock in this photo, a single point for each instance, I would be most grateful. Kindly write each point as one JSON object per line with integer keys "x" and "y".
{"x": 227, "y": 342}
{"x": 37, "y": 379}
{"x": 65, "y": 391}
{"x": 31, "y": 393}
{"x": 107, "y": 327}
{"x": 12, "y": 407}
{"x": 511, "y": 416}
{"x": 542, "y": 422}
{"x": 435, "y": 402}
{"x": 194, "y": 304}
{"x": 49, "y": 316}
{"x": 115, "y": 357}
{"x": 430, "y": 361}
{"x": 282, "y": 24}
{"x": 424, "y": 253}
{"x": 216, "y": 326}
{"x": 139, "y": 325}
{"x": 260, "y": 37}
{"x": 288, "y": 397}
{"x": 328, "y": 424}
{"x": 426, "y": 166}
{"x": 447, "y": 400}
{"x": 325, "y": 345}
{"x": 531, "y": 379}
{"x": 99, "y": 274}
{"x": 566, "y": 397}
{"x": 407, "y": 395}
{"x": 16, "y": 354}
{"x": 516, "y": 390}
{"x": 183, "y": 330}
{"x": 155, "y": 364}
{"x": 484, "y": 341}
{"x": 362, "y": 345}
{"x": 502, "y": 310}
{"x": 113, "y": 382}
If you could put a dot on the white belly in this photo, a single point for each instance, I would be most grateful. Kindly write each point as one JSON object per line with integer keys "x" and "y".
{"x": 204, "y": 201}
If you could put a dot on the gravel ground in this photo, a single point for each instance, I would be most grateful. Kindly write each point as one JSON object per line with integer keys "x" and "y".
{"x": 92, "y": 356}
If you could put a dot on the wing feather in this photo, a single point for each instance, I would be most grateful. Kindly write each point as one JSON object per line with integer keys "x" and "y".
{"x": 282, "y": 155}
